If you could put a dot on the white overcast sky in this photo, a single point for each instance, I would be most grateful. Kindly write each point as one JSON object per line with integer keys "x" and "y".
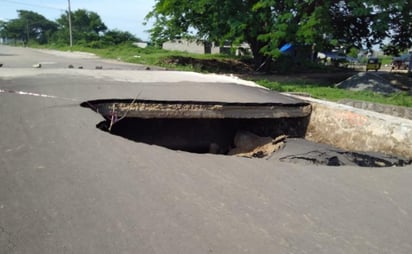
{"x": 125, "y": 15}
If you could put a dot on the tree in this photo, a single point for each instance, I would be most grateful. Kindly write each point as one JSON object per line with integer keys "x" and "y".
{"x": 29, "y": 26}
{"x": 213, "y": 20}
{"x": 265, "y": 25}
{"x": 400, "y": 24}
{"x": 3, "y": 29}
{"x": 87, "y": 26}
{"x": 268, "y": 24}
{"x": 15, "y": 29}
{"x": 115, "y": 37}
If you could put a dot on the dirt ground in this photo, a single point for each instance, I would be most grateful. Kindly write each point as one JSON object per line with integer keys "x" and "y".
{"x": 243, "y": 69}
{"x": 399, "y": 80}
{"x": 329, "y": 78}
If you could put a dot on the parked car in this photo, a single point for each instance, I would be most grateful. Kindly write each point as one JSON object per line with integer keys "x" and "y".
{"x": 401, "y": 62}
{"x": 373, "y": 63}
{"x": 333, "y": 58}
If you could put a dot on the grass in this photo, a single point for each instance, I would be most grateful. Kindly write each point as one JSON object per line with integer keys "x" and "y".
{"x": 147, "y": 56}
{"x": 386, "y": 60}
{"x": 195, "y": 62}
{"x": 335, "y": 94}
{"x": 126, "y": 53}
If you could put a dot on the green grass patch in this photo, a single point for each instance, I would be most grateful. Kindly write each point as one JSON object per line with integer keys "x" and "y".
{"x": 335, "y": 94}
{"x": 387, "y": 60}
{"x": 124, "y": 52}
{"x": 163, "y": 58}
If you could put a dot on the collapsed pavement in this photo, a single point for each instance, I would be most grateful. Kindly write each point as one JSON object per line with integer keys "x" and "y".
{"x": 260, "y": 130}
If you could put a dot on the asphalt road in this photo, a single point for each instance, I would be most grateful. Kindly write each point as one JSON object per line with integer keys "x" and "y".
{"x": 67, "y": 187}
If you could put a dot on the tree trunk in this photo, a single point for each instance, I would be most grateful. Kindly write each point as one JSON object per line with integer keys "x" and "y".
{"x": 261, "y": 62}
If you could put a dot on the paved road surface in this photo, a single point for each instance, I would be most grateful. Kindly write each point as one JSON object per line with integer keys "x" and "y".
{"x": 66, "y": 187}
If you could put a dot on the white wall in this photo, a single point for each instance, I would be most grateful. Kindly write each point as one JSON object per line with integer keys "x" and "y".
{"x": 185, "y": 45}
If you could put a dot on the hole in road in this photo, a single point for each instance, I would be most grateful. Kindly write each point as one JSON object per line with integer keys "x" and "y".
{"x": 205, "y": 135}
{"x": 247, "y": 130}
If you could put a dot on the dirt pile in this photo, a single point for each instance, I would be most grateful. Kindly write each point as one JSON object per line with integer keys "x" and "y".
{"x": 368, "y": 81}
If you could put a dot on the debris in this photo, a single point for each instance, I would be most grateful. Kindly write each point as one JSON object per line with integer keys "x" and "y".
{"x": 250, "y": 145}
{"x": 36, "y": 65}
{"x": 339, "y": 158}
{"x": 70, "y": 66}
{"x": 80, "y": 67}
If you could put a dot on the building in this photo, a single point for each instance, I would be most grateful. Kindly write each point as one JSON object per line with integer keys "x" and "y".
{"x": 203, "y": 47}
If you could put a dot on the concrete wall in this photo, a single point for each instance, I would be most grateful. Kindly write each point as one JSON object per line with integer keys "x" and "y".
{"x": 403, "y": 112}
{"x": 196, "y": 47}
{"x": 359, "y": 130}
{"x": 184, "y": 45}
{"x": 140, "y": 44}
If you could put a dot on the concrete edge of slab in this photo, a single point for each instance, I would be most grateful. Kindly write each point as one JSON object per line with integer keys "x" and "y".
{"x": 357, "y": 129}
{"x": 197, "y": 109}
{"x": 398, "y": 111}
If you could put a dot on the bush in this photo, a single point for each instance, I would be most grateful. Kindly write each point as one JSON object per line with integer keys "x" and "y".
{"x": 96, "y": 44}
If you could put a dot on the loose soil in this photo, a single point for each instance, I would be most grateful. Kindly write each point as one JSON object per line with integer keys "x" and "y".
{"x": 211, "y": 65}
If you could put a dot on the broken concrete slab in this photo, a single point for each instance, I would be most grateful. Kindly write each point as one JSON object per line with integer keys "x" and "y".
{"x": 196, "y": 109}
{"x": 358, "y": 130}
{"x": 305, "y": 152}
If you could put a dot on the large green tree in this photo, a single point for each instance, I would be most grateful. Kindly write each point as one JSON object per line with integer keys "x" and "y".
{"x": 213, "y": 20}
{"x": 400, "y": 20}
{"x": 268, "y": 24}
{"x": 115, "y": 37}
{"x": 87, "y": 26}
{"x": 3, "y": 29}
{"x": 29, "y": 26}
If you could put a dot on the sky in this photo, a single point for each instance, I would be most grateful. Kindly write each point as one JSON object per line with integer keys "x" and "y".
{"x": 124, "y": 15}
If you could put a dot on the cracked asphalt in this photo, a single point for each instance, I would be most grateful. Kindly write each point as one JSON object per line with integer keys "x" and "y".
{"x": 67, "y": 187}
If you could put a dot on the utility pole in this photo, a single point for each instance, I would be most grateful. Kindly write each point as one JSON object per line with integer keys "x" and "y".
{"x": 27, "y": 34}
{"x": 70, "y": 26}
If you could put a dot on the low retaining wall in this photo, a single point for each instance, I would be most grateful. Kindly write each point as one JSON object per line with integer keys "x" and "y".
{"x": 359, "y": 130}
{"x": 397, "y": 111}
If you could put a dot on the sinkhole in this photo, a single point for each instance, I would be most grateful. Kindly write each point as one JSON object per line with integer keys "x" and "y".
{"x": 253, "y": 130}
